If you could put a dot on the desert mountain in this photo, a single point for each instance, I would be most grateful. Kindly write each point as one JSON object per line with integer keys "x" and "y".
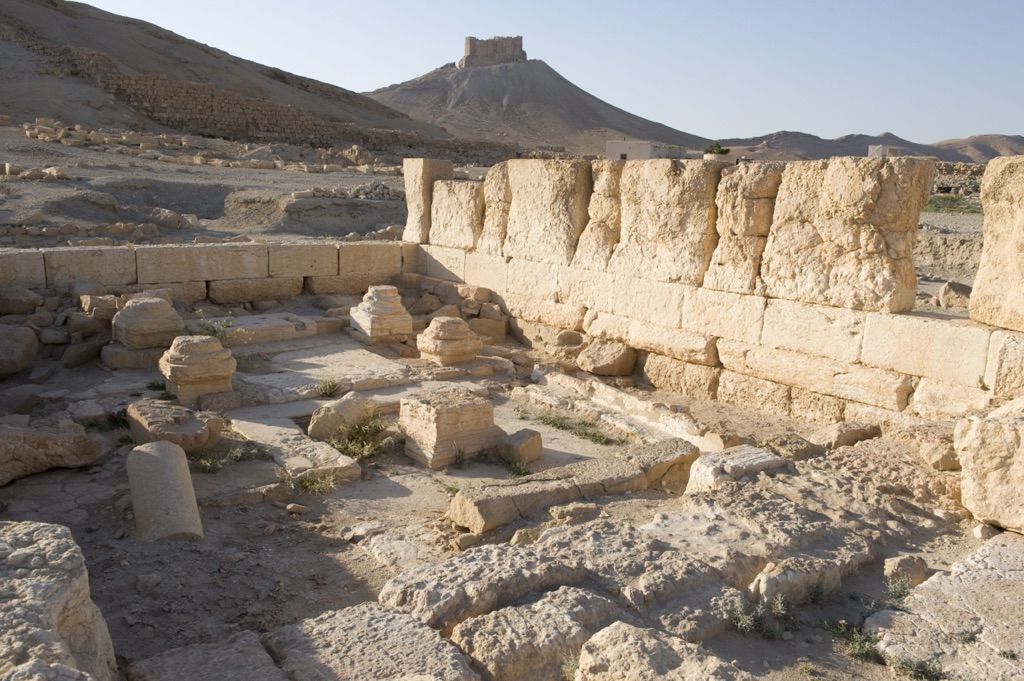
{"x": 981, "y": 148}
{"x": 59, "y": 59}
{"x": 507, "y": 98}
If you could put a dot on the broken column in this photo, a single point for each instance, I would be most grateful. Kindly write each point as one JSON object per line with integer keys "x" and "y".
{"x": 147, "y": 323}
{"x": 381, "y": 318}
{"x": 447, "y": 341}
{"x": 196, "y": 366}
{"x": 446, "y": 425}
{"x": 420, "y": 174}
{"x": 163, "y": 500}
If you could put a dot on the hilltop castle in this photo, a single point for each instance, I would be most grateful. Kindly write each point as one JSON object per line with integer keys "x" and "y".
{"x": 498, "y": 50}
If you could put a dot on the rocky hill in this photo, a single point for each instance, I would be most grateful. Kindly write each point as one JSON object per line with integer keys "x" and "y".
{"x": 72, "y": 61}
{"x": 982, "y": 148}
{"x": 524, "y": 102}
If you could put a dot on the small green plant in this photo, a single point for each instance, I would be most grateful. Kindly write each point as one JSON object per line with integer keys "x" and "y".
{"x": 93, "y": 424}
{"x": 135, "y": 394}
{"x": 982, "y": 384}
{"x": 896, "y": 588}
{"x": 755, "y": 620}
{"x": 585, "y": 429}
{"x": 450, "y": 489}
{"x": 118, "y": 420}
{"x": 249, "y": 363}
{"x": 4, "y": 506}
{"x": 156, "y": 386}
{"x": 570, "y": 664}
{"x": 1005, "y": 654}
{"x": 857, "y": 643}
{"x": 964, "y": 637}
{"x": 459, "y": 460}
{"x": 215, "y": 459}
{"x": 166, "y": 396}
{"x": 317, "y": 484}
{"x": 363, "y": 440}
{"x": 327, "y": 387}
{"x": 780, "y": 608}
{"x": 125, "y": 440}
{"x": 816, "y": 593}
{"x": 550, "y": 418}
{"x": 716, "y": 148}
{"x": 218, "y": 328}
{"x": 927, "y": 671}
{"x": 952, "y": 203}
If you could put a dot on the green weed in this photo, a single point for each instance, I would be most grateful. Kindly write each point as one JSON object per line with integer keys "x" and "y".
{"x": 952, "y": 203}
{"x": 363, "y": 440}
{"x": 857, "y": 643}
{"x": 156, "y": 386}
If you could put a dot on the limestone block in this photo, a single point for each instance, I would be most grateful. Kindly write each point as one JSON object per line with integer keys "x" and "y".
{"x": 301, "y": 457}
{"x": 445, "y": 424}
{"x": 195, "y": 366}
{"x": 54, "y": 443}
{"x": 845, "y": 434}
{"x": 201, "y": 262}
{"x": 1004, "y": 369}
{"x": 669, "y": 373}
{"x": 625, "y": 651}
{"x": 746, "y": 391}
{"x": 487, "y": 270}
{"x": 715, "y": 469}
{"x": 497, "y": 199}
{"x": 820, "y": 330}
{"x": 410, "y": 258}
{"x": 156, "y": 420}
{"x": 992, "y": 462}
{"x": 420, "y": 175}
{"x": 116, "y": 356}
{"x": 668, "y": 219}
{"x": 18, "y": 348}
{"x": 607, "y": 358}
{"x": 367, "y": 641}
{"x": 49, "y": 626}
{"x": 844, "y": 230}
{"x": 109, "y": 266}
{"x": 18, "y": 300}
{"x": 665, "y": 462}
{"x": 381, "y": 318}
{"x": 681, "y": 345}
{"x": 944, "y": 349}
{"x": 876, "y": 387}
{"x": 22, "y": 267}
{"x": 601, "y": 235}
{"x": 187, "y": 291}
{"x": 443, "y": 263}
{"x": 302, "y": 260}
{"x": 162, "y": 496}
{"x": 746, "y": 205}
{"x": 812, "y": 407}
{"x": 726, "y": 315}
{"x": 231, "y": 291}
{"x": 912, "y": 569}
{"x": 523, "y": 446}
{"x": 935, "y": 400}
{"x": 240, "y": 657}
{"x": 447, "y": 341}
{"x": 998, "y": 296}
{"x": 329, "y": 418}
{"x": 457, "y": 214}
{"x": 528, "y": 642}
{"x": 547, "y": 311}
{"x": 147, "y": 323}
{"x": 494, "y": 329}
{"x": 548, "y": 210}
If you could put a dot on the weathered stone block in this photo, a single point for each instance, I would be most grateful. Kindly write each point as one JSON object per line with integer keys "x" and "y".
{"x": 201, "y": 262}
{"x": 162, "y": 496}
{"x": 147, "y": 323}
{"x": 669, "y": 373}
{"x": 241, "y": 657}
{"x": 22, "y": 267}
{"x": 812, "y": 407}
{"x": 109, "y": 266}
{"x": 230, "y": 291}
{"x": 498, "y": 199}
{"x": 381, "y": 318}
{"x": 601, "y": 235}
{"x": 844, "y": 230}
{"x": 457, "y": 214}
{"x": 447, "y": 341}
{"x": 447, "y": 424}
{"x": 548, "y": 210}
{"x": 487, "y": 270}
{"x": 723, "y": 314}
{"x": 420, "y": 175}
{"x": 746, "y": 206}
{"x": 159, "y": 421}
{"x": 302, "y": 260}
{"x": 195, "y": 366}
{"x": 944, "y": 349}
{"x": 607, "y": 358}
{"x": 936, "y": 400}
{"x": 998, "y": 294}
{"x": 819, "y": 330}
{"x": 748, "y": 391}
{"x": 18, "y": 348}
{"x": 682, "y": 345}
{"x": 1004, "y": 370}
{"x": 443, "y": 263}
{"x": 57, "y": 443}
{"x": 523, "y": 446}
{"x": 668, "y": 219}
{"x": 992, "y": 463}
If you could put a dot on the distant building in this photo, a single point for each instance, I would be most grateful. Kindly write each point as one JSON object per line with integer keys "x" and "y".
{"x": 628, "y": 150}
{"x": 885, "y": 151}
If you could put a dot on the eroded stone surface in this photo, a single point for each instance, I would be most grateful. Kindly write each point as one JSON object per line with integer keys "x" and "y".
{"x": 447, "y": 424}
{"x": 381, "y": 318}
{"x": 147, "y": 323}
{"x": 447, "y": 341}
{"x": 155, "y": 420}
{"x": 239, "y": 658}
{"x": 195, "y": 366}
{"x": 998, "y": 297}
{"x": 991, "y": 457}
{"x": 57, "y": 443}
{"x": 18, "y": 347}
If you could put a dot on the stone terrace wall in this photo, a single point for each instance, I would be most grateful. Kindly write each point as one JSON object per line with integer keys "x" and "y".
{"x": 785, "y": 286}
{"x": 223, "y": 273}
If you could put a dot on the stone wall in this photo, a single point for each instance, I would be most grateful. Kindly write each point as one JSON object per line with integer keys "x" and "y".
{"x": 789, "y": 286}
{"x": 499, "y": 50}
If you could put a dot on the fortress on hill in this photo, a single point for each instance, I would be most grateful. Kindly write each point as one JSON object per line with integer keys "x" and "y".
{"x": 499, "y": 50}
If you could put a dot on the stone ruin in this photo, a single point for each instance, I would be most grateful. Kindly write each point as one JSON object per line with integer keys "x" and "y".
{"x": 500, "y": 50}
{"x": 788, "y": 286}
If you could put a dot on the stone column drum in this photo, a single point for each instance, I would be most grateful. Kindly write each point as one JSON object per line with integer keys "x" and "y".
{"x": 162, "y": 496}
{"x": 195, "y": 366}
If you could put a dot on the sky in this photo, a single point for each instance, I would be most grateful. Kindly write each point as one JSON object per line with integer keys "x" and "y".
{"x": 924, "y": 70}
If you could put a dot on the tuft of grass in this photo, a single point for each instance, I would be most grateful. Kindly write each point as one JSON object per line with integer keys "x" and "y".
{"x": 951, "y": 203}
{"x": 450, "y": 489}
{"x": 249, "y": 363}
{"x": 753, "y": 621}
{"x": 570, "y": 664}
{"x": 327, "y": 387}
{"x": 502, "y": 455}
{"x": 927, "y": 671}
{"x": 584, "y": 429}
{"x": 964, "y": 637}
{"x": 896, "y": 588}
{"x": 156, "y": 386}
{"x": 363, "y": 440}
{"x": 858, "y": 644}
{"x": 1008, "y": 654}
{"x": 460, "y": 458}
{"x": 816, "y": 594}
{"x": 118, "y": 420}
{"x": 217, "y": 458}
{"x": 218, "y": 328}
{"x": 317, "y": 484}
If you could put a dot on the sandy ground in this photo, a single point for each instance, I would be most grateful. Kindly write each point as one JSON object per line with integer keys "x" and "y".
{"x": 260, "y": 566}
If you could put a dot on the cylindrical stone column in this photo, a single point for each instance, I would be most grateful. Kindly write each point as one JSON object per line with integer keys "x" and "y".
{"x": 162, "y": 496}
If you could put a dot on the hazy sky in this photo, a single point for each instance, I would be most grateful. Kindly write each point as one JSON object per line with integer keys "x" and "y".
{"x": 925, "y": 70}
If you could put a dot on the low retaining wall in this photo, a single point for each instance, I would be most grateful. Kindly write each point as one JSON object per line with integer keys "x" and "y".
{"x": 789, "y": 286}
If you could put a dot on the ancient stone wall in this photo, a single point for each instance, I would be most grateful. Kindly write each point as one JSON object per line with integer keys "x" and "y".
{"x": 499, "y": 50}
{"x": 789, "y": 286}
